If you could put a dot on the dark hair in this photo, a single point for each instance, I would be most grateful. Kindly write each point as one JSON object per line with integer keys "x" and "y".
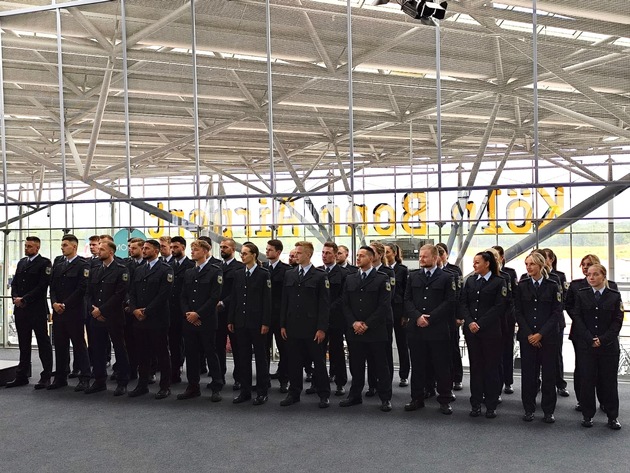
{"x": 396, "y": 249}
{"x": 154, "y": 243}
{"x": 178, "y": 239}
{"x": 207, "y": 239}
{"x": 333, "y": 245}
{"x": 94, "y": 238}
{"x": 111, "y": 245}
{"x": 500, "y": 250}
{"x": 443, "y": 246}
{"x": 106, "y": 237}
{"x": 277, "y": 244}
{"x": 253, "y": 248}
{"x": 71, "y": 238}
{"x": 34, "y": 239}
{"x": 489, "y": 257}
{"x": 369, "y": 249}
{"x": 135, "y": 240}
{"x": 552, "y": 256}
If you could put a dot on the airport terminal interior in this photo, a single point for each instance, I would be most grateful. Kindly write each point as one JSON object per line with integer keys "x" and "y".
{"x": 474, "y": 123}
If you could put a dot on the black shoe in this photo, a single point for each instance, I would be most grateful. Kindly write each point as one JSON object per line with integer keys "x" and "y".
{"x": 587, "y": 422}
{"x": 152, "y": 379}
{"x": 446, "y": 409}
{"x": 491, "y": 414}
{"x": 43, "y": 383}
{"x": 475, "y": 411}
{"x": 113, "y": 377}
{"x": 614, "y": 424}
{"x": 237, "y": 386}
{"x": 311, "y": 390}
{"x": 528, "y": 417}
{"x": 82, "y": 386}
{"x": 386, "y": 406}
{"x": 242, "y": 398}
{"x": 260, "y": 400}
{"x": 284, "y": 388}
{"x": 97, "y": 386}
{"x": 563, "y": 392}
{"x": 120, "y": 390}
{"x": 578, "y": 407}
{"x": 350, "y": 402}
{"x": 508, "y": 389}
{"x": 56, "y": 384}
{"x": 216, "y": 396}
{"x": 275, "y": 375}
{"x": 429, "y": 394}
{"x": 17, "y": 382}
{"x": 549, "y": 419}
{"x": 138, "y": 391}
{"x": 309, "y": 377}
{"x": 457, "y": 386}
{"x": 73, "y": 374}
{"x": 287, "y": 401}
{"x": 324, "y": 402}
{"x": 163, "y": 393}
{"x": 371, "y": 392}
{"x": 340, "y": 391}
{"x": 403, "y": 383}
{"x": 190, "y": 393}
{"x": 414, "y": 405}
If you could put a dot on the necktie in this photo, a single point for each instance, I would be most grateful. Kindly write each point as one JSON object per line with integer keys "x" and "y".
{"x": 301, "y": 273}
{"x": 598, "y": 295}
{"x": 198, "y": 268}
{"x": 247, "y": 273}
{"x": 363, "y": 276}
{"x": 328, "y": 269}
{"x": 536, "y": 285}
{"x": 428, "y": 274}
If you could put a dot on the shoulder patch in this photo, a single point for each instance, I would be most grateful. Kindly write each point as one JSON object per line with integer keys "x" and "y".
{"x": 566, "y": 284}
{"x": 220, "y": 279}
{"x": 327, "y": 283}
{"x": 169, "y": 277}
{"x": 621, "y": 306}
{"x": 269, "y": 283}
{"x": 453, "y": 285}
{"x": 392, "y": 281}
{"x": 388, "y": 286}
{"x": 125, "y": 277}
{"x": 86, "y": 273}
{"x": 504, "y": 291}
{"x": 48, "y": 270}
{"x": 559, "y": 296}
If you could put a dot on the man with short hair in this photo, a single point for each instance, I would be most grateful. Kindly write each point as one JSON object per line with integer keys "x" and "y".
{"x": 148, "y": 301}
{"x": 68, "y": 286}
{"x": 28, "y": 291}
{"x": 211, "y": 258}
{"x": 165, "y": 248}
{"x": 135, "y": 260}
{"x": 342, "y": 259}
{"x": 292, "y": 260}
{"x": 106, "y": 293}
{"x": 303, "y": 322}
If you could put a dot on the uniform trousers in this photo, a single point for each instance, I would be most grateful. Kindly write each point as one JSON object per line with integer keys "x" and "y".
{"x": 598, "y": 369}
{"x": 102, "y": 333}
{"x": 435, "y": 354}
{"x": 222, "y": 335}
{"x": 560, "y": 382}
{"x": 532, "y": 359}
{"x": 281, "y": 344}
{"x": 26, "y": 324}
{"x": 485, "y": 382}
{"x": 400, "y": 333}
{"x": 251, "y": 341}
{"x": 337, "y": 356}
{"x": 152, "y": 342}
{"x": 302, "y": 352}
{"x": 360, "y": 352}
{"x": 176, "y": 342}
{"x": 66, "y": 328}
{"x": 202, "y": 340}
{"x": 457, "y": 369}
{"x": 389, "y": 357}
{"x": 130, "y": 343}
{"x": 508, "y": 355}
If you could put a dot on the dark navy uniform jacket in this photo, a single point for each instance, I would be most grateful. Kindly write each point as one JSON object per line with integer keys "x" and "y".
{"x": 602, "y": 319}
{"x": 306, "y": 303}
{"x": 485, "y": 305}
{"x": 108, "y": 290}
{"x": 368, "y": 301}
{"x": 538, "y": 310}
{"x": 250, "y": 305}
{"x": 30, "y": 282}
{"x": 151, "y": 289}
{"x": 68, "y": 285}
{"x": 201, "y": 293}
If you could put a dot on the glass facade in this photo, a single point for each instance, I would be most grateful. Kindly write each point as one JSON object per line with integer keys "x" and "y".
{"x": 506, "y": 124}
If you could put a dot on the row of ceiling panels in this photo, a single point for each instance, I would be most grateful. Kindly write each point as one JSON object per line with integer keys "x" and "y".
{"x": 486, "y": 69}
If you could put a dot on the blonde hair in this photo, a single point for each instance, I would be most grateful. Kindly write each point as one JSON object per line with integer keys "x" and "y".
{"x": 602, "y": 270}
{"x": 539, "y": 260}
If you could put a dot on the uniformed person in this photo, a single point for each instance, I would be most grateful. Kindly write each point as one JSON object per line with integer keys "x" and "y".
{"x": 135, "y": 261}
{"x": 337, "y": 321}
{"x": 393, "y": 260}
{"x": 342, "y": 259}
{"x": 277, "y": 270}
{"x": 481, "y": 305}
{"x": 166, "y": 254}
{"x": 106, "y": 295}
{"x": 28, "y": 291}
{"x": 430, "y": 302}
{"x": 250, "y": 318}
{"x": 200, "y": 294}
{"x": 148, "y": 301}
{"x": 538, "y": 308}
{"x": 303, "y": 322}
{"x": 597, "y": 319}
{"x": 180, "y": 264}
{"x": 68, "y": 286}
{"x": 229, "y": 266}
{"x": 367, "y": 307}
{"x": 292, "y": 259}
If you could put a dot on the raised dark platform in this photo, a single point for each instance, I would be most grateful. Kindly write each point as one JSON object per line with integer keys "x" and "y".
{"x": 7, "y": 371}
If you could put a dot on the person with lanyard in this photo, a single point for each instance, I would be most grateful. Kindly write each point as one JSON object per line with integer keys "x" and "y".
{"x": 597, "y": 319}
{"x": 538, "y": 309}
{"x": 393, "y": 259}
{"x": 68, "y": 286}
{"x": 481, "y": 306}
{"x": 430, "y": 301}
{"x": 30, "y": 309}
{"x": 180, "y": 264}
{"x": 303, "y": 322}
{"x": 574, "y": 287}
{"x": 200, "y": 294}
{"x": 367, "y": 307}
{"x": 277, "y": 269}
{"x": 148, "y": 301}
{"x": 106, "y": 293}
{"x": 250, "y": 318}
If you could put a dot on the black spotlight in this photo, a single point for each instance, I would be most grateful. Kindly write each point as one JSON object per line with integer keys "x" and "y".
{"x": 420, "y": 9}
